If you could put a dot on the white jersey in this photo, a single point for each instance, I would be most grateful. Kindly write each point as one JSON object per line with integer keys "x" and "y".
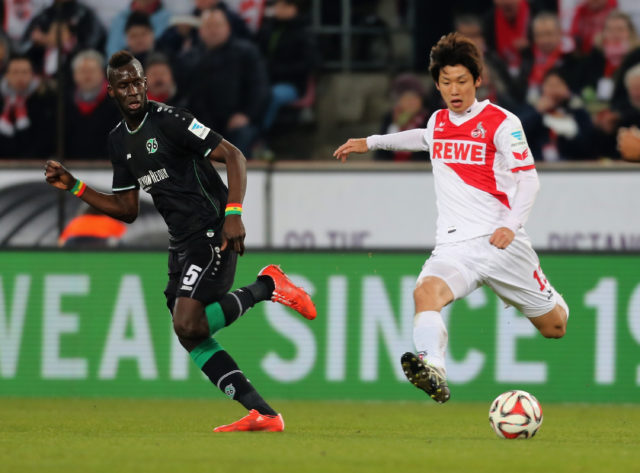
{"x": 474, "y": 156}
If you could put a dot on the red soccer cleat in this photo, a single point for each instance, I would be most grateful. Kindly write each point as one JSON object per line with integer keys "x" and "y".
{"x": 288, "y": 294}
{"x": 254, "y": 422}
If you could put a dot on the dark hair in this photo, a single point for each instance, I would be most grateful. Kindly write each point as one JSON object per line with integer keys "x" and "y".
{"x": 20, "y": 57}
{"x": 137, "y": 18}
{"x": 453, "y": 50}
{"x": 558, "y": 72}
{"x": 118, "y": 60}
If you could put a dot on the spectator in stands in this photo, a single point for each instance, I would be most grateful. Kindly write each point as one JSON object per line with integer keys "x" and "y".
{"x": 89, "y": 111}
{"x": 617, "y": 50}
{"x": 80, "y": 21}
{"x": 239, "y": 28}
{"x": 497, "y": 85}
{"x": 180, "y": 37}
{"x": 408, "y": 112}
{"x": 27, "y": 127}
{"x": 628, "y": 139}
{"x": 558, "y": 127}
{"x": 70, "y": 47}
{"x": 182, "y": 33}
{"x": 227, "y": 82}
{"x": 160, "y": 83}
{"x": 545, "y": 53}
{"x": 506, "y": 28}
{"x": 588, "y": 22}
{"x": 158, "y": 15}
{"x": 290, "y": 56}
{"x": 5, "y": 53}
{"x": 139, "y": 35}
{"x": 15, "y": 16}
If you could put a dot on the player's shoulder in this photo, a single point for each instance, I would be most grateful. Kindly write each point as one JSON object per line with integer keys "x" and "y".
{"x": 116, "y": 129}
{"x": 504, "y": 116}
{"x": 161, "y": 112}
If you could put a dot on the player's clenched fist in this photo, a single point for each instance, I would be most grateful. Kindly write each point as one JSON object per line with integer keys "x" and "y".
{"x": 502, "y": 238}
{"x": 58, "y": 176}
{"x": 353, "y": 145}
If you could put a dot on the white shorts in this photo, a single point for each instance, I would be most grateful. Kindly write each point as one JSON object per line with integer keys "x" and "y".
{"x": 514, "y": 273}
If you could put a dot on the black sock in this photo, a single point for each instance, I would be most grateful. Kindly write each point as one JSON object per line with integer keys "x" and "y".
{"x": 236, "y": 303}
{"x": 224, "y": 373}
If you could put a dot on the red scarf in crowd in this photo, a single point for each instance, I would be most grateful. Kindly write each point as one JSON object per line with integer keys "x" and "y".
{"x": 614, "y": 53}
{"x": 87, "y": 107}
{"x": 508, "y": 33}
{"x": 587, "y": 23}
{"x": 542, "y": 63}
{"x": 15, "y": 115}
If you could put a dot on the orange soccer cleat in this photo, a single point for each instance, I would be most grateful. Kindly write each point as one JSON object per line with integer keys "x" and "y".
{"x": 254, "y": 422}
{"x": 288, "y": 294}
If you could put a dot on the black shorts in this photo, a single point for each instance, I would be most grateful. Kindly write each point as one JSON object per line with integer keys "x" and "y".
{"x": 200, "y": 271}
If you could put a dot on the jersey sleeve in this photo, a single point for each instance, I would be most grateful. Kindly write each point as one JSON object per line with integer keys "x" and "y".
{"x": 511, "y": 142}
{"x": 123, "y": 180}
{"x": 183, "y": 128}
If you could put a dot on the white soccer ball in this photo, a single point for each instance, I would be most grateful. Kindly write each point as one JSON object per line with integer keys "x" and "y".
{"x": 515, "y": 415}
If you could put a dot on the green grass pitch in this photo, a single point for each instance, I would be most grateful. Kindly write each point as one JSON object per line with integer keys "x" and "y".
{"x": 120, "y": 436}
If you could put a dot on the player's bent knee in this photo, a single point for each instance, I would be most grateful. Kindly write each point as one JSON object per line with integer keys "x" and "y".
{"x": 189, "y": 328}
{"x": 431, "y": 294}
{"x": 554, "y": 331}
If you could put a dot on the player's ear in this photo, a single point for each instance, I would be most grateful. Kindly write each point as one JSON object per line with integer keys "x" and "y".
{"x": 478, "y": 82}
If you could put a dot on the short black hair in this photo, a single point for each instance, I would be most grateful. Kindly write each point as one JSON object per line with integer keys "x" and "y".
{"x": 452, "y": 50}
{"x": 118, "y": 60}
{"x": 137, "y": 18}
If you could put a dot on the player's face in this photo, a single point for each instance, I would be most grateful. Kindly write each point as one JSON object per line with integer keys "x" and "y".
{"x": 457, "y": 87}
{"x": 128, "y": 86}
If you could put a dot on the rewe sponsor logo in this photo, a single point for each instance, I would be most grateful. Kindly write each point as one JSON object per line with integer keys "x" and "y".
{"x": 459, "y": 151}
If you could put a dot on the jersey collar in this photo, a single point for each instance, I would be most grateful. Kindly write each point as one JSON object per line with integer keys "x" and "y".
{"x": 133, "y": 132}
{"x": 469, "y": 113}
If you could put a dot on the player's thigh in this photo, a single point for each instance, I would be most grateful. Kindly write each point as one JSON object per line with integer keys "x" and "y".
{"x": 446, "y": 276}
{"x": 174, "y": 272}
{"x": 517, "y": 278}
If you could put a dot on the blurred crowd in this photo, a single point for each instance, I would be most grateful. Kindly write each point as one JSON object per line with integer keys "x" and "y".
{"x": 233, "y": 77}
{"x": 572, "y": 77}
{"x": 576, "y": 89}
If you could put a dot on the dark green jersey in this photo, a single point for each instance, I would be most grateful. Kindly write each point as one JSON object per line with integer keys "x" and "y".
{"x": 166, "y": 157}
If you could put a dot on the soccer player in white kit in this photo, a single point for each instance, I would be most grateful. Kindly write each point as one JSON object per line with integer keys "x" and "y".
{"x": 485, "y": 184}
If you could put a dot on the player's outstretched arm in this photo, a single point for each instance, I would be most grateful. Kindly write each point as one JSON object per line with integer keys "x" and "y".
{"x": 122, "y": 206}
{"x": 353, "y": 145}
{"x": 233, "y": 231}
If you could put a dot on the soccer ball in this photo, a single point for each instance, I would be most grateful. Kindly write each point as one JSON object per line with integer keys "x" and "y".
{"x": 515, "y": 415}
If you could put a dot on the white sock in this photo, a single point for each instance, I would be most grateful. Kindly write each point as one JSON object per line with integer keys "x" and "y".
{"x": 430, "y": 337}
{"x": 560, "y": 301}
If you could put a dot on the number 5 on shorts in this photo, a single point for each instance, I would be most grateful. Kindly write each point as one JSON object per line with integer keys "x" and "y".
{"x": 192, "y": 275}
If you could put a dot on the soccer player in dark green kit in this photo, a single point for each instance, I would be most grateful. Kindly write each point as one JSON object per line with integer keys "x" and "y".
{"x": 168, "y": 153}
